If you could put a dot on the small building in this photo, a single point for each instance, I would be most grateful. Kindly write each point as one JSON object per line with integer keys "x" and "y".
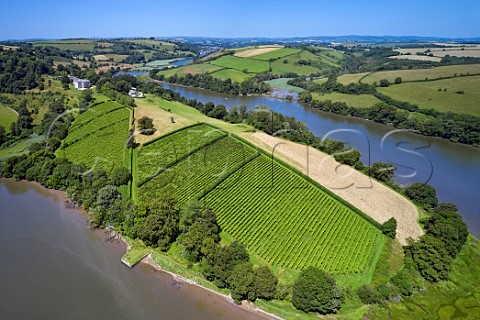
{"x": 135, "y": 94}
{"x": 81, "y": 84}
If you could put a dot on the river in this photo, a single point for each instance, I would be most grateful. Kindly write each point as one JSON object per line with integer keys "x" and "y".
{"x": 453, "y": 169}
{"x": 54, "y": 267}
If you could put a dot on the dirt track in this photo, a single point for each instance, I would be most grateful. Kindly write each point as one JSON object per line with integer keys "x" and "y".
{"x": 370, "y": 196}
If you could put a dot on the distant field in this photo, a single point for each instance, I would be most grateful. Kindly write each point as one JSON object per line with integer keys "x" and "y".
{"x": 235, "y": 75}
{"x": 106, "y": 57}
{"x": 155, "y": 43}
{"x": 352, "y": 100}
{"x": 74, "y": 45}
{"x": 7, "y": 116}
{"x": 350, "y": 78}
{"x": 427, "y": 94}
{"x": 241, "y": 64}
{"x": 192, "y": 69}
{"x": 422, "y": 74}
{"x": 416, "y": 57}
{"x": 276, "y": 54}
{"x": 458, "y": 50}
{"x": 281, "y": 84}
{"x": 279, "y": 67}
{"x": 256, "y": 51}
{"x": 320, "y": 81}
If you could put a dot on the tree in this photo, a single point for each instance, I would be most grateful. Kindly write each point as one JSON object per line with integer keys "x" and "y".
{"x": 120, "y": 176}
{"x": 349, "y": 157}
{"x": 145, "y": 124}
{"x": 422, "y": 194}
{"x": 86, "y": 95}
{"x": 315, "y": 290}
{"x": 2, "y": 135}
{"x": 431, "y": 258}
{"x": 242, "y": 282}
{"x": 398, "y": 80}
{"x": 266, "y": 283}
{"x": 382, "y": 171}
{"x": 384, "y": 83}
{"x": 160, "y": 228}
{"x": 389, "y": 228}
{"x": 219, "y": 112}
{"x": 368, "y": 294}
{"x": 197, "y": 223}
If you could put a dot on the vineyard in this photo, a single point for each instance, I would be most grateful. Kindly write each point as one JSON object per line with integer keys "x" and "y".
{"x": 159, "y": 155}
{"x": 189, "y": 177}
{"x": 98, "y": 136}
{"x": 290, "y": 222}
{"x": 279, "y": 215}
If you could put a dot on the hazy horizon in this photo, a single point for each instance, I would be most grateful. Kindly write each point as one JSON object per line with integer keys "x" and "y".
{"x": 248, "y": 19}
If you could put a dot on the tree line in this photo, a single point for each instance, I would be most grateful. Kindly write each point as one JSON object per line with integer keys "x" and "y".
{"x": 206, "y": 81}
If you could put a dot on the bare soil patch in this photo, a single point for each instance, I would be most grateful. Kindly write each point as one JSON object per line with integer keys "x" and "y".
{"x": 161, "y": 120}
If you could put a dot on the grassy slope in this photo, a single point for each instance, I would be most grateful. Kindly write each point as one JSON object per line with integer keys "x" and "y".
{"x": 281, "y": 84}
{"x": 235, "y": 75}
{"x": 352, "y": 100}
{"x": 421, "y": 74}
{"x": 426, "y": 94}
{"x": 275, "y": 54}
{"x": 20, "y": 147}
{"x": 7, "y": 116}
{"x": 350, "y": 78}
{"x": 192, "y": 69}
{"x": 241, "y": 64}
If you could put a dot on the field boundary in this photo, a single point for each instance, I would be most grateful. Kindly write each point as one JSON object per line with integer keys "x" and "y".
{"x": 180, "y": 159}
{"x": 172, "y": 132}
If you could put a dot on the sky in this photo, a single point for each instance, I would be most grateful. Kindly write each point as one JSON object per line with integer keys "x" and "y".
{"x": 260, "y": 18}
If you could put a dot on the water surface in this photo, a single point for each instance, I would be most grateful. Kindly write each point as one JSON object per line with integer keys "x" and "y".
{"x": 54, "y": 267}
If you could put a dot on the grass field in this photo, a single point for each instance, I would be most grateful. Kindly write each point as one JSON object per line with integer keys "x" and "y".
{"x": 276, "y": 54}
{"x": 241, "y": 64}
{"x": 281, "y": 84}
{"x": 192, "y": 69}
{"x": 352, "y": 100}
{"x": 350, "y": 78}
{"x": 7, "y": 116}
{"x": 98, "y": 137}
{"x": 74, "y": 45}
{"x": 235, "y": 75}
{"x": 21, "y": 147}
{"x": 278, "y": 67}
{"x": 251, "y": 52}
{"x": 422, "y": 74}
{"x": 427, "y": 94}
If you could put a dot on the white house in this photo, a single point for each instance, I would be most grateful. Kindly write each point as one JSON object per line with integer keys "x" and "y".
{"x": 81, "y": 84}
{"x": 136, "y": 94}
